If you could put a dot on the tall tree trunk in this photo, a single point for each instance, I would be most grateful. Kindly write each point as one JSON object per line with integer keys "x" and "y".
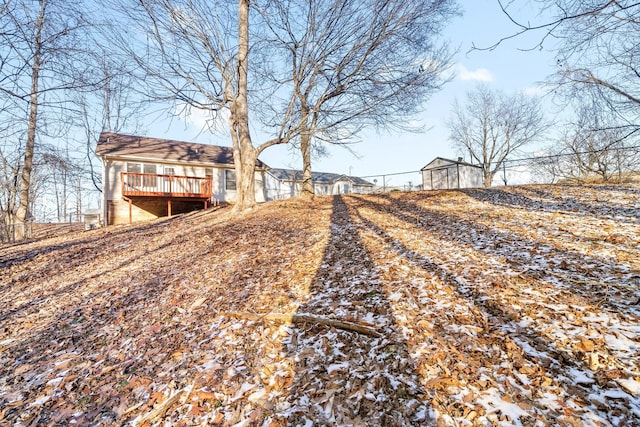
{"x": 307, "y": 180}
{"x": 25, "y": 179}
{"x": 57, "y": 193}
{"x": 488, "y": 179}
{"x": 78, "y": 199}
{"x": 246, "y": 164}
{"x": 307, "y": 190}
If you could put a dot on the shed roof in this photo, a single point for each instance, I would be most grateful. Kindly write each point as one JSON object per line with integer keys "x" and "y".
{"x": 452, "y": 162}
{"x": 317, "y": 177}
{"x": 117, "y": 145}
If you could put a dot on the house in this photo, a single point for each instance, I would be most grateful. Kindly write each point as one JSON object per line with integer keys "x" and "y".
{"x": 442, "y": 174}
{"x": 145, "y": 178}
{"x": 285, "y": 183}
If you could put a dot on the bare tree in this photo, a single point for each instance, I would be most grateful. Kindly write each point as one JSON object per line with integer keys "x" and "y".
{"x": 63, "y": 172}
{"x": 195, "y": 54}
{"x": 42, "y": 57}
{"x": 491, "y": 126}
{"x": 590, "y": 147}
{"x": 351, "y": 65}
{"x": 113, "y": 105}
{"x": 597, "y": 51}
{"x": 10, "y": 163}
{"x": 546, "y": 168}
{"x": 347, "y": 65}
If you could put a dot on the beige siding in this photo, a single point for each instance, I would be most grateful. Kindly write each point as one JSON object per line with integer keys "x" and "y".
{"x": 221, "y": 193}
{"x": 117, "y": 209}
{"x": 443, "y": 175}
{"x": 112, "y": 185}
{"x": 438, "y": 163}
{"x": 470, "y": 177}
{"x": 260, "y": 190}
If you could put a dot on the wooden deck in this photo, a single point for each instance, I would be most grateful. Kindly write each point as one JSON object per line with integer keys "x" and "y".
{"x": 170, "y": 186}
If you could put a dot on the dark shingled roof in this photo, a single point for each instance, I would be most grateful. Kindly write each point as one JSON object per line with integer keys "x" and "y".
{"x": 316, "y": 177}
{"x": 129, "y": 146}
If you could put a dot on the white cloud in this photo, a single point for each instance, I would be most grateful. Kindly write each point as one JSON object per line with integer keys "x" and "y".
{"x": 480, "y": 74}
{"x": 201, "y": 119}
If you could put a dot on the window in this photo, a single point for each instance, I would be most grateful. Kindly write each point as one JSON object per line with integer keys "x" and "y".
{"x": 134, "y": 181}
{"x": 166, "y": 182}
{"x": 134, "y": 167}
{"x": 229, "y": 179}
{"x": 150, "y": 181}
{"x": 141, "y": 168}
{"x": 137, "y": 181}
{"x": 149, "y": 168}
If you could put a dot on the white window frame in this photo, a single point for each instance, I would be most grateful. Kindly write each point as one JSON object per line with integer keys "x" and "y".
{"x": 230, "y": 180}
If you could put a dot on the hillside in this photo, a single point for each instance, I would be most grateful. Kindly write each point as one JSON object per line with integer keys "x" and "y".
{"x": 509, "y": 306}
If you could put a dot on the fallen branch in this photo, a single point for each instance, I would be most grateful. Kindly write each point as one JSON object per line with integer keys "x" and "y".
{"x": 308, "y": 318}
{"x": 160, "y": 410}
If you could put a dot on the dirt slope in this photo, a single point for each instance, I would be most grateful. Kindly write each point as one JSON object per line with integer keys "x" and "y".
{"x": 512, "y": 306}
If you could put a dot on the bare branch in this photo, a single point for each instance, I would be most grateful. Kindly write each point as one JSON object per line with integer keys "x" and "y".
{"x": 552, "y": 25}
{"x": 491, "y": 126}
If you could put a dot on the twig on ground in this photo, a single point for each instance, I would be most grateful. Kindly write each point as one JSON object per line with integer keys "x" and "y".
{"x": 160, "y": 410}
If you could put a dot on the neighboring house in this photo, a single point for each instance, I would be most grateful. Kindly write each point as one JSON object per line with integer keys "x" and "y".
{"x": 285, "y": 183}
{"x": 146, "y": 178}
{"x": 443, "y": 174}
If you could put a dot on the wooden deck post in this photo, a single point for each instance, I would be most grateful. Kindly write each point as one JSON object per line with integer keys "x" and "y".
{"x": 168, "y": 207}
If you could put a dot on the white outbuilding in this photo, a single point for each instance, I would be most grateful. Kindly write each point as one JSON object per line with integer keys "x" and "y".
{"x": 444, "y": 174}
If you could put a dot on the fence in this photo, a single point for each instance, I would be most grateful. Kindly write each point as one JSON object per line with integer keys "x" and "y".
{"x": 399, "y": 181}
{"x": 613, "y": 164}
{"x": 610, "y": 164}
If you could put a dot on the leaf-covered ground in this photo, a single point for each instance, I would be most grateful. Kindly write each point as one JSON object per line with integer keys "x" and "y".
{"x": 509, "y": 306}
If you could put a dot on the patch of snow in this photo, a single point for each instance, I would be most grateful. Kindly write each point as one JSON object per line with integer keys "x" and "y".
{"x": 619, "y": 342}
{"x": 525, "y": 322}
{"x": 337, "y": 367}
{"x": 55, "y": 381}
{"x": 578, "y": 376}
{"x": 211, "y": 364}
{"x": 40, "y": 401}
{"x": 630, "y": 385}
{"x": 550, "y": 400}
{"x": 491, "y": 400}
{"x": 396, "y": 296}
{"x": 615, "y": 394}
{"x": 243, "y": 389}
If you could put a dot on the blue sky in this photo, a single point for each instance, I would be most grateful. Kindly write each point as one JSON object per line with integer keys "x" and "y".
{"x": 507, "y": 68}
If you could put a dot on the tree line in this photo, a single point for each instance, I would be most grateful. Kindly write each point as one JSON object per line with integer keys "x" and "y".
{"x": 60, "y": 85}
{"x": 302, "y": 72}
{"x": 298, "y": 72}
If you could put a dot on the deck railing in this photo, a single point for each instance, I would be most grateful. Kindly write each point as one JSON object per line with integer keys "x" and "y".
{"x": 149, "y": 184}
